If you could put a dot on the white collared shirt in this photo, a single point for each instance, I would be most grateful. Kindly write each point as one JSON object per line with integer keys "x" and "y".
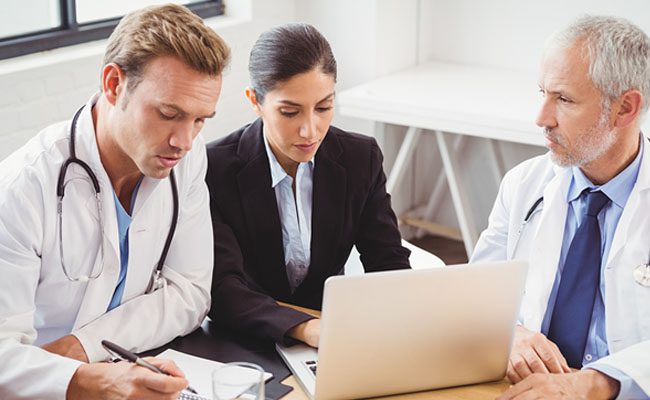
{"x": 295, "y": 215}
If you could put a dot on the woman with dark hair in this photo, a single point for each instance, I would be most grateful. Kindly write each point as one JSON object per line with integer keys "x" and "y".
{"x": 290, "y": 195}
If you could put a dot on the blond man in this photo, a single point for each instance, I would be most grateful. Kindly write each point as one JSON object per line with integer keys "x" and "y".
{"x": 69, "y": 280}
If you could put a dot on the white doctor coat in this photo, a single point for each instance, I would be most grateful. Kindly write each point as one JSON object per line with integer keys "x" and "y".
{"x": 627, "y": 304}
{"x": 39, "y": 304}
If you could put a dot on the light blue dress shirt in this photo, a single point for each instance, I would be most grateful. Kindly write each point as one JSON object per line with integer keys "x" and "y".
{"x": 295, "y": 215}
{"x": 123, "y": 224}
{"x": 618, "y": 189}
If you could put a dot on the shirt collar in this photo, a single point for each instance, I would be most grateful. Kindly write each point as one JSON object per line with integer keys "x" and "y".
{"x": 618, "y": 189}
{"x": 278, "y": 174}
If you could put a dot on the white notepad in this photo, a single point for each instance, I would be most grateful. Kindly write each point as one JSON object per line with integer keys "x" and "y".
{"x": 198, "y": 372}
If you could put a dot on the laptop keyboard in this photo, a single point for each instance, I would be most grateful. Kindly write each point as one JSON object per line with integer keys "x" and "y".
{"x": 311, "y": 365}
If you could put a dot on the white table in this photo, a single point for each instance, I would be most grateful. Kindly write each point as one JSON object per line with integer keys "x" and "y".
{"x": 419, "y": 259}
{"x": 450, "y": 100}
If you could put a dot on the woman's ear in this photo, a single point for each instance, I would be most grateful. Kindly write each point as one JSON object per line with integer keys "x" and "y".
{"x": 252, "y": 98}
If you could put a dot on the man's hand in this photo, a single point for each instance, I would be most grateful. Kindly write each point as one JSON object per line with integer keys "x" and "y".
{"x": 533, "y": 353}
{"x": 107, "y": 381}
{"x": 308, "y": 332}
{"x": 585, "y": 384}
{"x": 67, "y": 346}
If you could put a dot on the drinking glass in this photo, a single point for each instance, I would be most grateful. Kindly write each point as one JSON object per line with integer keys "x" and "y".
{"x": 238, "y": 380}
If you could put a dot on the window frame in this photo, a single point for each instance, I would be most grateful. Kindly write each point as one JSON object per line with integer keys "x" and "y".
{"x": 70, "y": 32}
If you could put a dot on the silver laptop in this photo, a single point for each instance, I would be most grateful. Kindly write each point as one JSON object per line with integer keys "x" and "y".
{"x": 411, "y": 330}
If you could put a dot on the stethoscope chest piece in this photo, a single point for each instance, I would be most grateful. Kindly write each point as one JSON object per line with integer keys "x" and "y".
{"x": 642, "y": 275}
{"x": 156, "y": 282}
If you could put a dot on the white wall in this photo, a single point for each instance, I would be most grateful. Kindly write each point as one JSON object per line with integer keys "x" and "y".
{"x": 370, "y": 38}
{"x": 496, "y": 33}
{"x": 43, "y": 88}
{"x": 508, "y": 33}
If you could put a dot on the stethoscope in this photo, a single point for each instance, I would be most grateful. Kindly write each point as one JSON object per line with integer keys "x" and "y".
{"x": 532, "y": 210}
{"x": 641, "y": 273}
{"x": 157, "y": 280}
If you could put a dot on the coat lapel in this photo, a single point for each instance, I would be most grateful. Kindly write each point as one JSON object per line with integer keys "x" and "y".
{"x": 328, "y": 207}
{"x": 99, "y": 291}
{"x": 636, "y": 201}
{"x": 545, "y": 253}
{"x": 260, "y": 209}
{"x": 148, "y": 232}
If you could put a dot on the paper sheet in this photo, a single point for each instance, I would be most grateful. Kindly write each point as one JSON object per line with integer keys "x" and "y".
{"x": 198, "y": 371}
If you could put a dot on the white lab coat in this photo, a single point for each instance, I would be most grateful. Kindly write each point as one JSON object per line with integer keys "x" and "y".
{"x": 627, "y": 304}
{"x": 39, "y": 304}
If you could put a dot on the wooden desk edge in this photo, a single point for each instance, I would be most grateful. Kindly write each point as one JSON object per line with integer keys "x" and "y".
{"x": 309, "y": 311}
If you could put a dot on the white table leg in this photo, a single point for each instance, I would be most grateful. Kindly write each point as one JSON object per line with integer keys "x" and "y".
{"x": 498, "y": 165}
{"x": 439, "y": 188}
{"x": 458, "y": 196}
{"x": 404, "y": 156}
{"x": 380, "y": 134}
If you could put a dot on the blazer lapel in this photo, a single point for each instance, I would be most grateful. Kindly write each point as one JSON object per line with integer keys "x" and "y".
{"x": 260, "y": 209}
{"x": 328, "y": 211}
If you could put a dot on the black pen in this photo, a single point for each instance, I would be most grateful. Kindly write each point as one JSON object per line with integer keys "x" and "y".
{"x": 124, "y": 354}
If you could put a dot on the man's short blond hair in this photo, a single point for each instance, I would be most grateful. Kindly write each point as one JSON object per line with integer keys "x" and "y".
{"x": 167, "y": 30}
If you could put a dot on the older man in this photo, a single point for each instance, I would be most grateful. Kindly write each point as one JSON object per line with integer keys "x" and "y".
{"x": 579, "y": 215}
{"x": 91, "y": 209}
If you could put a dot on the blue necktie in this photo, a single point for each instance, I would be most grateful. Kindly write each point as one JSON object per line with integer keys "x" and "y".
{"x": 579, "y": 283}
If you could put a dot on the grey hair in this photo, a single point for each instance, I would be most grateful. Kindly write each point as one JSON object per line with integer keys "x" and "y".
{"x": 618, "y": 53}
